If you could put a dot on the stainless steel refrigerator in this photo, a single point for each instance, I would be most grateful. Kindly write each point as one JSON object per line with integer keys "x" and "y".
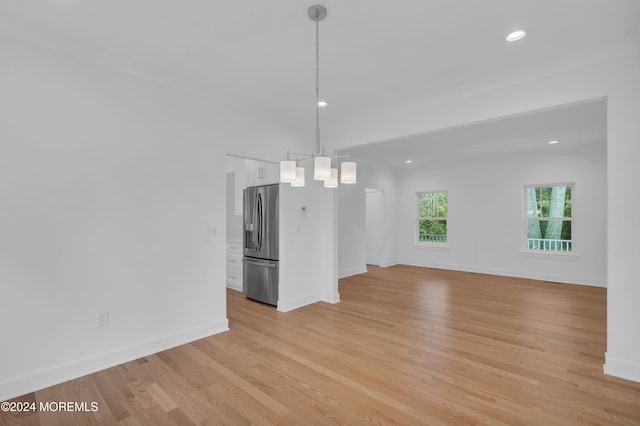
{"x": 260, "y": 243}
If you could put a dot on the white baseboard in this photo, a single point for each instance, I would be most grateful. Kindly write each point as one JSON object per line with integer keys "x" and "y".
{"x": 234, "y": 287}
{"x": 594, "y": 282}
{"x": 331, "y": 298}
{"x": 363, "y": 269}
{"x": 42, "y": 379}
{"x": 350, "y": 272}
{"x": 622, "y": 369}
{"x": 290, "y": 305}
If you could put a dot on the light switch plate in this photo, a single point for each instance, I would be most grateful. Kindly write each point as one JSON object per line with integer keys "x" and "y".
{"x": 103, "y": 319}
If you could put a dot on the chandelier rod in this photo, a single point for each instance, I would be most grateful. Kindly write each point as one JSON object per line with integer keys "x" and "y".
{"x": 317, "y": 19}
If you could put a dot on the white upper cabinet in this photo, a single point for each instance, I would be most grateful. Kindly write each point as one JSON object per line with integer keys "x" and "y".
{"x": 253, "y": 173}
{"x": 261, "y": 172}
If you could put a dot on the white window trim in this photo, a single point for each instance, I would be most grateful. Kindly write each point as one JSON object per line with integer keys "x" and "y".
{"x": 431, "y": 246}
{"x": 543, "y": 253}
{"x": 416, "y": 222}
{"x": 550, "y": 254}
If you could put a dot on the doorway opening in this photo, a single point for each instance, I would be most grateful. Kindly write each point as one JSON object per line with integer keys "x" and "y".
{"x": 373, "y": 220}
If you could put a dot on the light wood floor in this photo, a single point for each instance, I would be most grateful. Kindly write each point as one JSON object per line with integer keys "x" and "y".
{"x": 405, "y": 346}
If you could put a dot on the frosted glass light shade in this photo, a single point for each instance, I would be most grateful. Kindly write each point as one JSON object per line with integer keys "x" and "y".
{"x": 332, "y": 182}
{"x": 299, "y": 180}
{"x": 516, "y": 35}
{"x": 348, "y": 172}
{"x": 287, "y": 171}
{"x": 322, "y": 168}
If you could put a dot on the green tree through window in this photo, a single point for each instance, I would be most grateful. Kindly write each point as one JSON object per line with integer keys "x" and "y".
{"x": 549, "y": 218}
{"x": 432, "y": 217}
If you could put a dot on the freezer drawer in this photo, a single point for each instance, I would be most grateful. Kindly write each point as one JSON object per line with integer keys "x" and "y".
{"x": 260, "y": 279}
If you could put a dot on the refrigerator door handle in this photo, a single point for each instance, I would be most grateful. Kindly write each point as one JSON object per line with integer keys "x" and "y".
{"x": 260, "y": 216}
{"x": 256, "y": 227}
{"x": 264, "y": 265}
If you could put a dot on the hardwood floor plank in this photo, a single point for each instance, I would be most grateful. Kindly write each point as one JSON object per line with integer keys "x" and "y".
{"x": 245, "y": 386}
{"x": 405, "y": 345}
{"x": 180, "y": 418}
{"x": 163, "y": 400}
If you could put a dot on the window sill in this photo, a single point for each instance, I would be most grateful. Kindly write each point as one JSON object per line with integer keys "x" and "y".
{"x": 433, "y": 246}
{"x": 550, "y": 255}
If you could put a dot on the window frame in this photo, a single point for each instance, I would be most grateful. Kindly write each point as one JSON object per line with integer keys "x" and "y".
{"x": 417, "y": 241}
{"x": 525, "y": 220}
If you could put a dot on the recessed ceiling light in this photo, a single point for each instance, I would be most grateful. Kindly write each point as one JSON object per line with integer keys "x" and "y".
{"x": 322, "y": 104}
{"x": 516, "y": 35}
{"x": 409, "y": 161}
{"x": 553, "y": 142}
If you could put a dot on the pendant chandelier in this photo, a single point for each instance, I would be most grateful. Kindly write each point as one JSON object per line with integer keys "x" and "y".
{"x": 323, "y": 169}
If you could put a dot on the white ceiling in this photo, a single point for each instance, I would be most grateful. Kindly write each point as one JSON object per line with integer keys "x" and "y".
{"x": 571, "y": 126}
{"x": 378, "y": 57}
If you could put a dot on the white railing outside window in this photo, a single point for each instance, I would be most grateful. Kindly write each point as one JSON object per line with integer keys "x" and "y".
{"x": 548, "y": 245}
{"x": 432, "y": 239}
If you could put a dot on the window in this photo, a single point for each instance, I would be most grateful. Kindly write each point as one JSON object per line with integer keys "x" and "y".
{"x": 432, "y": 217}
{"x": 548, "y": 218}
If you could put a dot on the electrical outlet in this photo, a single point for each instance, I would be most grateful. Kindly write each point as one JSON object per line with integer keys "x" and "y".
{"x": 103, "y": 319}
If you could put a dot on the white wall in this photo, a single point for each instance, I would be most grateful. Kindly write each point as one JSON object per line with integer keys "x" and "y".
{"x": 485, "y": 226}
{"x": 234, "y": 222}
{"x": 352, "y": 227}
{"x": 616, "y": 79}
{"x": 112, "y": 198}
{"x": 308, "y": 244}
{"x": 623, "y": 136}
{"x": 352, "y": 220}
